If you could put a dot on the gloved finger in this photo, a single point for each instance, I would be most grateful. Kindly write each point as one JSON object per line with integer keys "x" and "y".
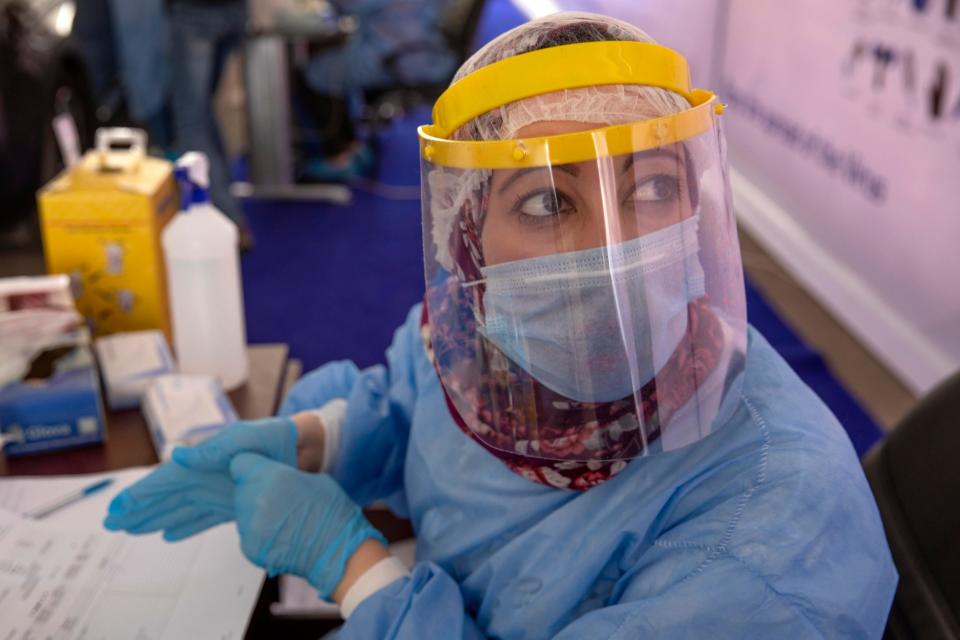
{"x": 192, "y": 517}
{"x": 213, "y": 495}
{"x": 212, "y": 490}
{"x": 164, "y": 481}
{"x": 215, "y": 499}
{"x": 258, "y": 436}
{"x": 173, "y": 518}
{"x": 250, "y": 545}
{"x": 145, "y": 506}
{"x": 120, "y": 504}
{"x": 245, "y": 465}
{"x": 127, "y": 501}
{"x": 192, "y": 528}
{"x": 213, "y": 454}
{"x": 140, "y": 517}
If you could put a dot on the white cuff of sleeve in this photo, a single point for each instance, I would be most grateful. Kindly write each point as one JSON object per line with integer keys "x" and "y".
{"x": 331, "y": 417}
{"x": 378, "y": 576}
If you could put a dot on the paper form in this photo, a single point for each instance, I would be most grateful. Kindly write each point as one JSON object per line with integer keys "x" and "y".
{"x": 66, "y": 577}
{"x": 49, "y": 578}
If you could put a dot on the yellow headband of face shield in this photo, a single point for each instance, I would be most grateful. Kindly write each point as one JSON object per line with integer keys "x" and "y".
{"x": 555, "y": 69}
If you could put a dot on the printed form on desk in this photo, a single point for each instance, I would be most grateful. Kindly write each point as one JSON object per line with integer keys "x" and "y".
{"x": 67, "y": 577}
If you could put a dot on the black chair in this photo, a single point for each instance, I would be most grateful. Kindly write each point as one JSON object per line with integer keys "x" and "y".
{"x": 458, "y": 28}
{"x": 915, "y": 476}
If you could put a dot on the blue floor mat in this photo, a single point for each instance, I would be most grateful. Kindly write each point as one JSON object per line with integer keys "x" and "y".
{"x": 334, "y": 282}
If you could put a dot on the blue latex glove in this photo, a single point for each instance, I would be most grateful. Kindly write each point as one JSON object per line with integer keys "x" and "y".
{"x": 275, "y": 438}
{"x": 180, "y": 502}
{"x": 195, "y": 492}
{"x": 296, "y": 522}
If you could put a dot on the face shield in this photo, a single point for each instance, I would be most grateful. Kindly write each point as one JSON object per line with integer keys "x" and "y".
{"x": 585, "y": 295}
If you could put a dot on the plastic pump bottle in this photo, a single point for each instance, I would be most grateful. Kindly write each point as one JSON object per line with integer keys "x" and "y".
{"x": 203, "y": 276}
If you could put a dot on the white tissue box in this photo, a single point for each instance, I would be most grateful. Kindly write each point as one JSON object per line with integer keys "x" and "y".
{"x": 130, "y": 362}
{"x": 182, "y": 410}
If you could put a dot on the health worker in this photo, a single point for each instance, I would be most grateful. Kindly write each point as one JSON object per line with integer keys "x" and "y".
{"x": 588, "y": 437}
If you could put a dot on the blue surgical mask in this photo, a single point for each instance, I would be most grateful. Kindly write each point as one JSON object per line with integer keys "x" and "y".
{"x": 596, "y": 325}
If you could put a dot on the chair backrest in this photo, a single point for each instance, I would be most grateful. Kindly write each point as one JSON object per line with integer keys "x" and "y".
{"x": 459, "y": 22}
{"x": 915, "y": 476}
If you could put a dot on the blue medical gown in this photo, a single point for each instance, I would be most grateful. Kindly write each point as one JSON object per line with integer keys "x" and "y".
{"x": 764, "y": 529}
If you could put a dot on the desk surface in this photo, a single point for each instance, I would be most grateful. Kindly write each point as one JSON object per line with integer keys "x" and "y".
{"x": 128, "y": 442}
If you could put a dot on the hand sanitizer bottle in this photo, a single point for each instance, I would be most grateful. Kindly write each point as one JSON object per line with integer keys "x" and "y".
{"x": 203, "y": 276}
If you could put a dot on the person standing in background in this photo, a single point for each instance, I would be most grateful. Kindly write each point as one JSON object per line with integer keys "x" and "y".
{"x": 126, "y": 49}
{"x": 397, "y": 43}
{"x": 203, "y": 34}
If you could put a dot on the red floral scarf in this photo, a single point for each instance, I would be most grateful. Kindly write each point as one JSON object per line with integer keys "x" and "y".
{"x": 564, "y": 425}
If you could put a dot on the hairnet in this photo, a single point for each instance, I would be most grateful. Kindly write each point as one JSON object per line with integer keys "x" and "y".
{"x": 612, "y": 104}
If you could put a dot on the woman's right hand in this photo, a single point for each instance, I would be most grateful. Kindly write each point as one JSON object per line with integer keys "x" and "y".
{"x": 296, "y": 441}
{"x": 195, "y": 491}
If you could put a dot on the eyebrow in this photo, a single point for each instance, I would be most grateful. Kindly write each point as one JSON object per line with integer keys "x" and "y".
{"x": 566, "y": 168}
{"x": 648, "y": 154}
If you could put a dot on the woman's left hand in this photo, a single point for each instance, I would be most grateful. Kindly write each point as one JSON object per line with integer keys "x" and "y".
{"x": 295, "y": 522}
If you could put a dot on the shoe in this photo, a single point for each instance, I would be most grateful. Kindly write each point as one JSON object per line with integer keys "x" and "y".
{"x": 246, "y": 240}
{"x": 357, "y": 162}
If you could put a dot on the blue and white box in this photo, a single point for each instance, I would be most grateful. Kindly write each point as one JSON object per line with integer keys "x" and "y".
{"x": 49, "y": 386}
{"x": 129, "y": 362}
{"x": 183, "y": 410}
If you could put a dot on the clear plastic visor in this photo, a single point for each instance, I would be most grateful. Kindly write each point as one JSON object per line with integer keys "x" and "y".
{"x": 588, "y": 310}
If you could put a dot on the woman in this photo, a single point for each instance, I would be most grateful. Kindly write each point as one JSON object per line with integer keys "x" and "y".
{"x": 587, "y": 437}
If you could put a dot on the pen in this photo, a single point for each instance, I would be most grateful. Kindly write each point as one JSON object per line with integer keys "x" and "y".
{"x": 43, "y": 512}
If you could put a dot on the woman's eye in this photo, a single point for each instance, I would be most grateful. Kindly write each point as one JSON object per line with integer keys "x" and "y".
{"x": 543, "y": 204}
{"x": 657, "y": 189}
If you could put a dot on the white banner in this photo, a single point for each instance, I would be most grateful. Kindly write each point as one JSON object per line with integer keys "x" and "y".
{"x": 847, "y": 116}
